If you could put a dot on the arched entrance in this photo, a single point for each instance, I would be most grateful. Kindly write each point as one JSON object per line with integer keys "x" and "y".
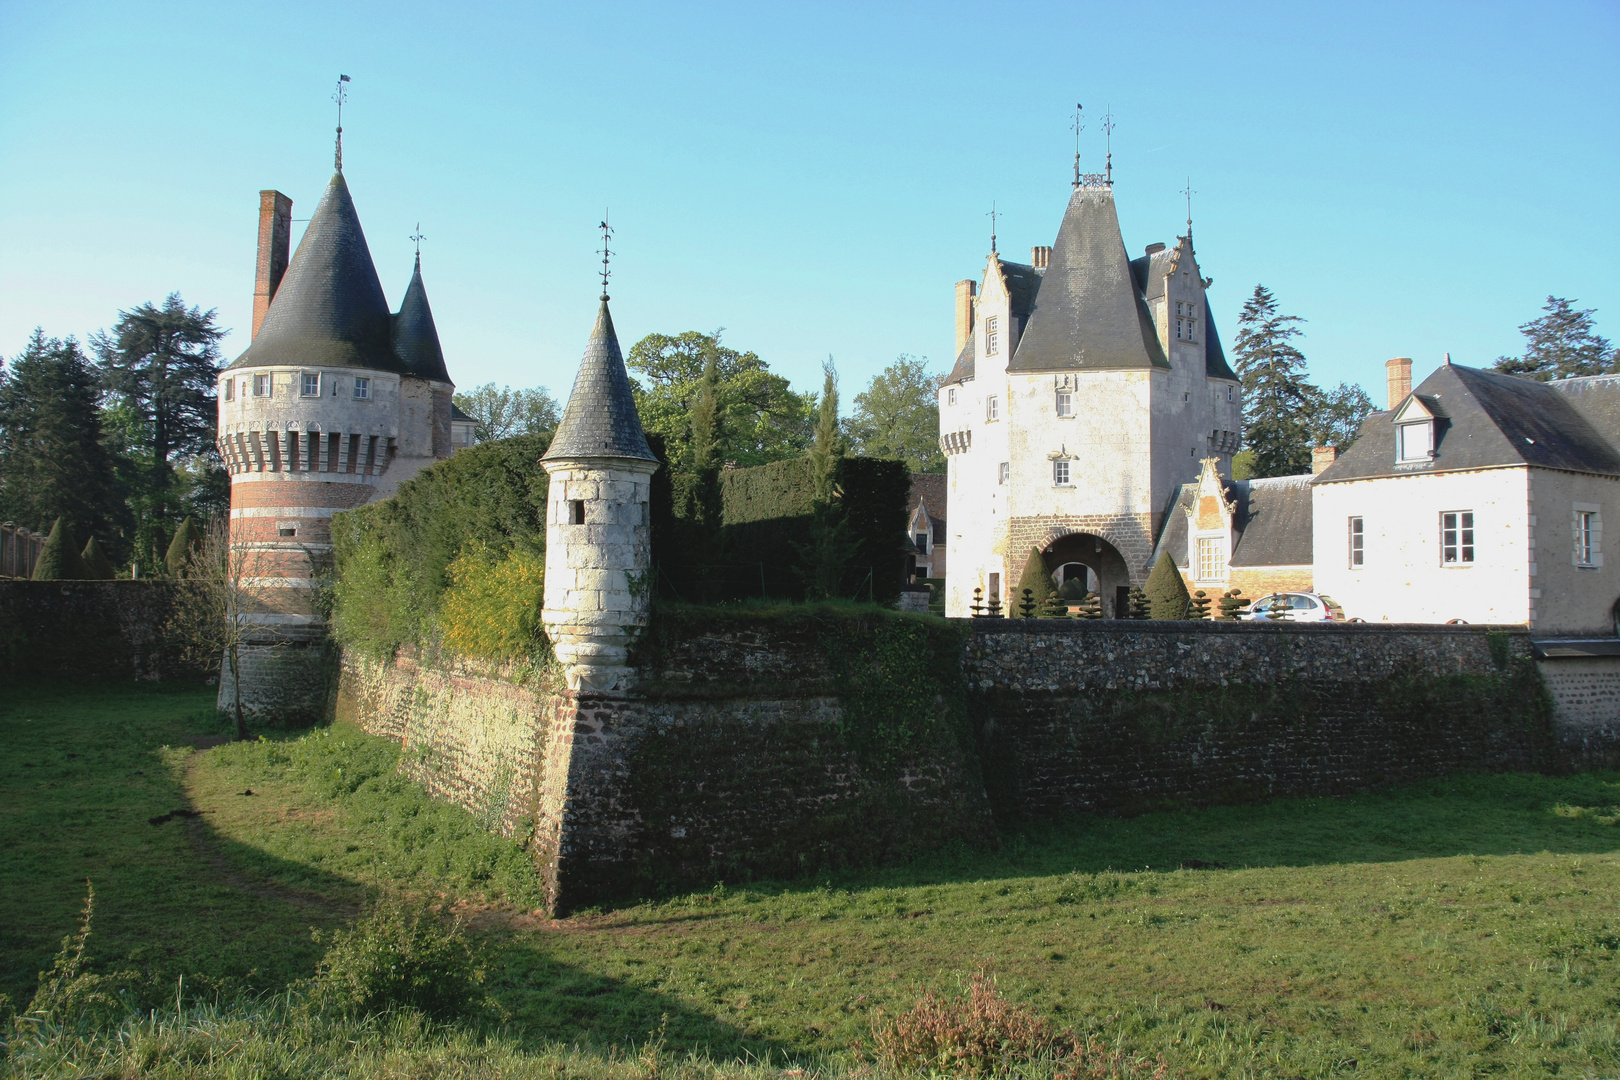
{"x": 1085, "y": 562}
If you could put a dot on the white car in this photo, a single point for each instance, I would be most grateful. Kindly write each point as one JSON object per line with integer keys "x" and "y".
{"x": 1296, "y": 607}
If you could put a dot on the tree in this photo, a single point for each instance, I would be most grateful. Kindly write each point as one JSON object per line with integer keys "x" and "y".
{"x": 760, "y": 417}
{"x": 831, "y": 546}
{"x": 502, "y": 411}
{"x": 1276, "y": 397}
{"x": 897, "y": 416}
{"x": 1562, "y": 344}
{"x": 1166, "y": 592}
{"x": 160, "y": 365}
{"x": 1335, "y": 416}
{"x": 1036, "y": 579}
{"x": 59, "y": 559}
{"x": 52, "y": 459}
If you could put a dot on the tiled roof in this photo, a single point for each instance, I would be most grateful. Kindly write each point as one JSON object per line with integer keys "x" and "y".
{"x": 928, "y": 489}
{"x": 457, "y": 415}
{"x": 964, "y": 363}
{"x": 601, "y": 418}
{"x": 416, "y": 339}
{"x": 330, "y": 310}
{"x": 1273, "y": 522}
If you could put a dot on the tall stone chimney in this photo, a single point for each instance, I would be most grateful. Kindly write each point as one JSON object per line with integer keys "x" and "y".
{"x": 1039, "y": 257}
{"x": 965, "y": 291}
{"x": 1322, "y": 457}
{"x": 1399, "y": 371}
{"x": 275, "y": 238}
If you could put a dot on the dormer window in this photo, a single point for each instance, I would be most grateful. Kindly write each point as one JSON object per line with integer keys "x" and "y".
{"x": 990, "y": 335}
{"x": 1414, "y": 442}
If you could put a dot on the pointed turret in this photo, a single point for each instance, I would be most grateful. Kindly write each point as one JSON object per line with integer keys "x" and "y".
{"x": 601, "y": 419}
{"x": 1088, "y": 314}
{"x": 416, "y": 339}
{"x": 330, "y": 310}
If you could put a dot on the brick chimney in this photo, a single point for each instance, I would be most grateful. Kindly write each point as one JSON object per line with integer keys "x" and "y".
{"x": 275, "y": 238}
{"x": 1039, "y": 257}
{"x": 1322, "y": 457}
{"x": 1399, "y": 371}
{"x": 964, "y": 313}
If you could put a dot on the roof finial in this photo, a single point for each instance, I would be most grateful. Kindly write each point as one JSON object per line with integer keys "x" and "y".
{"x": 992, "y": 215}
{"x": 607, "y": 231}
{"x": 1078, "y": 128}
{"x": 1108, "y": 135}
{"x": 418, "y": 237}
{"x": 340, "y": 96}
{"x": 1189, "y": 192}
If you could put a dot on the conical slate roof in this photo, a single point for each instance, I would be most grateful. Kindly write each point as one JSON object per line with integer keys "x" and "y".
{"x": 601, "y": 418}
{"x": 330, "y": 310}
{"x": 416, "y": 339}
{"x": 1088, "y": 313}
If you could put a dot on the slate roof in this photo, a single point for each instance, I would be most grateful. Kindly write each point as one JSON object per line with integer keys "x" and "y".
{"x": 458, "y": 415}
{"x": 416, "y": 339}
{"x": 928, "y": 489}
{"x": 1597, "y": 399}
{"x": 1215, "y": 365}
{"x": 1088, "y": 312}
{"x": 965, "y": 362}
{"x": 1150, "y": 271}
{"x": 1272, "y": 521}
{"x": 1023, "y": 282}
{"x": 1490, "y": 420}
{"x": 330, "y": 310}
{"x": 601, "y": 418}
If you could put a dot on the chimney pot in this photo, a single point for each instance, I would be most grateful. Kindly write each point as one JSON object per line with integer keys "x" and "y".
{"x": 1322, "y": 457}
{"x": 275, "y": 239}
{"x": 1039, "y": 257}
{"x": 1154, "y": 249}
{"x": 1399, "y": 371}
{"x": 964, "y": 313}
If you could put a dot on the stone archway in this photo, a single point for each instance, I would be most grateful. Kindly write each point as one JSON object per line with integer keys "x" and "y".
{"x": 1107, "y": 572}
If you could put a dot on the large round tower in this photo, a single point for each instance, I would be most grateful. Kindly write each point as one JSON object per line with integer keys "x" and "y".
{"x": 334, "y": 402}
{"x": 598, "y": 532}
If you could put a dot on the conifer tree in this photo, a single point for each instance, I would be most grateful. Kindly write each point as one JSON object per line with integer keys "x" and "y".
{"x": 831, "y": 548}
{"x": 1277, "y": 399}
{"x": 97, "y": 566}
{"x": 187, "y": 538}
{"x": 1563, "y": 343}
{"x": 1035, "y": 579}
{"x": 59, "y": 560}
{"x": 1166, "y": 592}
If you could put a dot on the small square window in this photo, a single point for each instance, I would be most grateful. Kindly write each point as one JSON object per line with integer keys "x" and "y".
{"x": 362, "y": 388}
{"x": 576, "y": 511}
{"x": 1415, "y": 441}
{"x": 1060, "y": 472}
{"x": 261, "y": 386}
{"x": 1065, "y": 404}
{"x": 290, "y": 531}
{"x": 1457, "y": 538}
{"x": 1357, "y": 544}
{"x": 1004, "y": 472}
{"x": 992, "y": 408}
{"x": 312, "y": 385}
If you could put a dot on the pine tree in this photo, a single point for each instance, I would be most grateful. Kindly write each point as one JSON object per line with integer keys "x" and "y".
{"x": 96, "y": 564}
{"x": 831, "y": 547}
{"x": 829, "y": 446}
{"x": 1166, "y": 592}
{"x": 1035, "y": 580}
{"x": 1563, "y": 343}
{"x": 1276, "y": 396}
{"x": 59, "y": 560}
{"x": 187, "y": 539}
{"x": 52, "y": 459}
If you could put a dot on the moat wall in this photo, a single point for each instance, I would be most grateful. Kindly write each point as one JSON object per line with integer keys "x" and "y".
{"x": 773, "y": 745}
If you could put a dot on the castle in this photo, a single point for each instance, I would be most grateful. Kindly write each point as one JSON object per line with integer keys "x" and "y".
{"x": 335, "y": 402}
{"x": 1087, "y": 389}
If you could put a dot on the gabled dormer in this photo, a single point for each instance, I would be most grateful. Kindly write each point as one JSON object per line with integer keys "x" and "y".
{"x": 1211, "y": 528}
{"x": 1417, "y": 422}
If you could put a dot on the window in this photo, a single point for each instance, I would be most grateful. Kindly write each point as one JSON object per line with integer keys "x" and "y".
{"x": 990, "y": 336}
{"x": 1413, "y": 442}
{"x": 939, "y": 532}
{"x": 1185, "y": 319}
{"x": 362, "y": 388}
{"x": 287, "y": 531}
{"x": 1065, "y": 404}
{"x": 1457, "y": 538}
{"x": 1211, "y": 558}
{"x": 921, "y": 540}
{"x": 1004, "y": 472}
{"x": 1588, "y": 532}
{"x": 230, "y": 389}
{"x": 261, "y": 386}
{"x": 1060, "y": 472}
{"x": 992, "y": 407}
{"x": 576, "y": 511}
{"x": 312, "y": 385}
{"x": 950, "y": 396}
{"x": 1231, "y": 393}
{"x": 1357, "y": 541}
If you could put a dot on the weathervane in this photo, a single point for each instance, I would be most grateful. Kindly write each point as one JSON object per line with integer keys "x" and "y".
{"x": 1078, "y": 128}
{"x": 992, "y": 215}
{"x": 340, "y": 96}
{"x": 607, "y": 231}
{"x": 1108, "y": 135}
{"x": 418, "y": 237}
{"x": 1189, "y": 192}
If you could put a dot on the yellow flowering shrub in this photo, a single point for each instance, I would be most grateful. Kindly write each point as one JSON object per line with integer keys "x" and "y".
{"x": 492, "y": 608}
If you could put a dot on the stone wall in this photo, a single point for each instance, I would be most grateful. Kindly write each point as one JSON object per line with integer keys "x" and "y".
{"x": 1585, "y": 692}
{"x": 76, "y": 630}
{"x": 1121, "y": 717}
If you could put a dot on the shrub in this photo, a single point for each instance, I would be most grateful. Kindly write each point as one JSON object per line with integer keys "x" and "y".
{"x": 59, "y": 559}
{"x": 1035, "y": 581}
{"x": 96, "y": 564}
{"x": 70, "y": 995}
{"x": 399, "y": 957}
{"x": 492, "y": 607}
{"x": 187, "y": 539}
{"x": 1166, "y": 592}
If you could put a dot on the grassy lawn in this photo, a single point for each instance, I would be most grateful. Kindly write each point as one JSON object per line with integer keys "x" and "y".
{"x": 1458, "y": 928}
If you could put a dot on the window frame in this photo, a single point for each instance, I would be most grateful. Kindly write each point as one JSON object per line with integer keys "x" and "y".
{"x": 1402, "y": 454}
{"x": 269, "y": 386}
{"x": 230, "y": 389}
{"x": 1586, "y": 532}
{"x": 1062, "y": 474}
{"x": 1064, "y": 403}
{"x": 362, "y": 388}
{"x": 992, "y": 336}
{"x": 1210, "y": 552}
{"x": 1004, "y": 473}
{"x": 1464, "y": 542}
{"x": 303, "y": 384}
{"x": 992, "y": 409}
{"x": 950, "y": 396}
{"x": 1357, "y": 541}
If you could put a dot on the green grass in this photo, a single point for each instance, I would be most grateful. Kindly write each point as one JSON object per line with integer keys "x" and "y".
{"x": 1455, "y": 928}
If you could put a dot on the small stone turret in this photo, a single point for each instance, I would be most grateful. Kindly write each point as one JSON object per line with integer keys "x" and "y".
{"x": 598, "y": 532}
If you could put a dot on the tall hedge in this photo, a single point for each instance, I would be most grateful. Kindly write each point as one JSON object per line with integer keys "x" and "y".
{"x": 59, "y": 559}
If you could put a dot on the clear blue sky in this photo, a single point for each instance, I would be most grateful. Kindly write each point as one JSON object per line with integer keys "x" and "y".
{"x": 1410, "y": 178}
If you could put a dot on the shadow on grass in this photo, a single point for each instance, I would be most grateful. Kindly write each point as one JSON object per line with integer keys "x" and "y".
{"x": 88, "y": 769}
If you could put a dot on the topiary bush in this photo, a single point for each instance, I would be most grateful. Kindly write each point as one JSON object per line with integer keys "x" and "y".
{"x": 1166, "y": 592}
{"x": 97, "y": 566}
{"x": 1036, "y": 581}
{"x": 59, "y": 560}
{"x": 400, "y": 956}
{"x": 187, "y": 540}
